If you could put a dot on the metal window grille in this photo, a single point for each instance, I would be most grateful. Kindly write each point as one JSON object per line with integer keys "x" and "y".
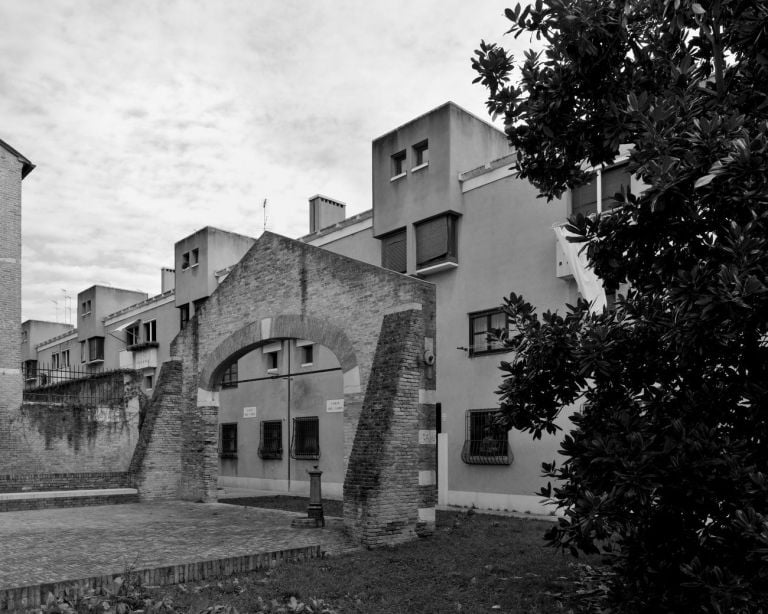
{"x": 487, "y": 332}
{"x": 228, "y": 441}
{"x": 305, "y": 443}
{"x": 230, "y": 376}
{"x": 436, "y": 240}
{"x": 484, "y": 442}
{"x": 47, "y": 384}
{"x": 271, "y": 441}
{"x": 393, "y": 252}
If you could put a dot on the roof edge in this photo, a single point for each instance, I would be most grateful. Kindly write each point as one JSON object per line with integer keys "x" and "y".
{"x": 26, "y": 165}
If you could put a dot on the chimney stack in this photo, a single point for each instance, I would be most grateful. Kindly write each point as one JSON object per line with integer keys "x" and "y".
{"x": 324, "y": 212}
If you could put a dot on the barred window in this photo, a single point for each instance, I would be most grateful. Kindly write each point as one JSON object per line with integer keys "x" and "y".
{"x": 229, "y": 377}
{"x": 228, "y": 440}
{"x": 487, "y": 331}
{"x": 271, "y": 441}
{"x": 305, "y": 444}
{"x": 436, "y": 240}
{"x": 484, "y": 442}
{"x": 393, "y": 251}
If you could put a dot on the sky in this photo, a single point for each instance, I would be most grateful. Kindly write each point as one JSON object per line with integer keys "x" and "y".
{"x": 149, "y": 120}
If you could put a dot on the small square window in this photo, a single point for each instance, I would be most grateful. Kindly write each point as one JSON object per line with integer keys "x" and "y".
{"x": 195, "y": 257}
{"x": 86, "y": 307}
{"x": 229, "y": 377}
{"x": 228, "y": 440}
{"x": 148, "y": 381}
{"x": 487, "y": 332}
{"x": 65, "y": 359}
{"x": 485, "y": 443}
{"x": 55, "y": 361}
{"x": 307, "y": 355}
{"x": 305, "y": 444}
{"x": 398, "y": 164}
{"x": 271, "y": 441}
{"x": 185, "y": 261}
{"x": 421, "y": 154}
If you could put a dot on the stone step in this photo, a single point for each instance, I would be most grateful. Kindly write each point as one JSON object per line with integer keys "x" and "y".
{"x": 44, "y": 499}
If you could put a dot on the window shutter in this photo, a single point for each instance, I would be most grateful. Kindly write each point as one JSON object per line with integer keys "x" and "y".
{"x": 432, "y": 240}
{"x": 393, "y": 252}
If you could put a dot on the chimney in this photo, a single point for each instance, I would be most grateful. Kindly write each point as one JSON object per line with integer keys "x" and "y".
{"x": 324, "y": 212}
{"x": 167, "y": 279}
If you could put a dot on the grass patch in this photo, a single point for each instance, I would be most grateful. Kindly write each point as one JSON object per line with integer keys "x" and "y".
{"x": 473, "y": 563}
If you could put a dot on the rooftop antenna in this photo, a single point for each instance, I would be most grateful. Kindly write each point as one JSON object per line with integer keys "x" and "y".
{"x": 264, "y": 207}
{"x": 56, "y": 306}
{"x": 67, "y": 306}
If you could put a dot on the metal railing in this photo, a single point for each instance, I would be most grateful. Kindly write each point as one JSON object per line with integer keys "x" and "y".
{"x": 71, "y": 385}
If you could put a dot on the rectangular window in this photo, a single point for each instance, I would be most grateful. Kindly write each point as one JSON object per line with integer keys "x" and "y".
{"x": 305, "y": 444}
{"x": 30, "y": 369}
{"x": 132, "y": 335}
{"x": 271, "y": 441}
{"x": 228, "y": 440}
{"x": 584, "y": 198}
{"x": 195, "y": 257}
{"x": 421, "y": 154}
{"x": 183, "y": 315}
{"x": 95, "y": 349}
{"x": 65, "y": 359}
{"x": 398, "y": 164}
{"x": 55, "y": 361}
{"x": 148, "y": 381}
{"x": 307, "y": 355}
{"x": 185, "y": 261}
{"x": 272, "y": 361}
{"x": 393, "y": 251}
{"x": 229, "y": 377}
{"x": 436, "y": 240}
{"x": 150, "y": 331}
{"x": 487, "y": 331}
{"x": 83, "y": 352}
{"x": 86, "y": 307}
{"x": 484, "y": 442}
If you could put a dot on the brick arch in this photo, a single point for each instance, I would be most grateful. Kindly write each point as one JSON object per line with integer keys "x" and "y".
{"x": 378, "y": 323}
{"x": 283, "y": 326}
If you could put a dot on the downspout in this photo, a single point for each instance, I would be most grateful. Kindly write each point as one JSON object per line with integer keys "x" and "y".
{"x": 289, "y": 413}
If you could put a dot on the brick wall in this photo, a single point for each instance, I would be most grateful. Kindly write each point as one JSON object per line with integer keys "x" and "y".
{"x": 156, "y": 462}
{"x": 70, "y": 435}
{"x": 286, "y": 289}
{"x": 10, "y": 290}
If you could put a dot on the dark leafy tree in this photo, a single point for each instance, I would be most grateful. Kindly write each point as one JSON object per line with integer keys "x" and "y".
{"x": 665, "y": 469}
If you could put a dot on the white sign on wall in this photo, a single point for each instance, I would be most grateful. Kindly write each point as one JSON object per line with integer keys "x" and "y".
{"x": 334, "y": 405}
{"x": 250, "y": 412}
{"x": 427, "y": 437}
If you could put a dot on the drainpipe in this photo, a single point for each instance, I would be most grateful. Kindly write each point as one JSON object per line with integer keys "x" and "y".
{"x": 289, "y": 411}
{"x": 599, "y": 190}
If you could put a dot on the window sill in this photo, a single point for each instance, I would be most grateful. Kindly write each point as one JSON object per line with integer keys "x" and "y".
{"x": 307, "y": 364}
{"x": 437, "y": 268}
{"x": 420, "y": 167}
{"x": 137, "y": 347}
{"x": 95, "y": 360}
{"x": 398, "y": 177}
{"x": 480, "y": 353}
{"x": 272, "y": 372}
{"x": 227, "y": 454}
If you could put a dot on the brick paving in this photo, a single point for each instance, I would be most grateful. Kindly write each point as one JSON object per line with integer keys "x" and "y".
{"x": 54, "y": 545}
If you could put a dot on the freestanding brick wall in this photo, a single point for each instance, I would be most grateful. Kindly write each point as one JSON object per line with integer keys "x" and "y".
{"x": 13, "y": 168}
{"x": 378, "y": 324}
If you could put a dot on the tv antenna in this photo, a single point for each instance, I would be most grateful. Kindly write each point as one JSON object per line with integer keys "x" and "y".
{"x": 264, "y": 208}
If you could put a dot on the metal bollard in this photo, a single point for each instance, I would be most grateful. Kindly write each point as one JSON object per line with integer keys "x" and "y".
{"x": 315, "y": 509}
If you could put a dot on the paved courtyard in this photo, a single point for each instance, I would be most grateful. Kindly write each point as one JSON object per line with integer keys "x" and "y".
{"x": 45, "y": 546}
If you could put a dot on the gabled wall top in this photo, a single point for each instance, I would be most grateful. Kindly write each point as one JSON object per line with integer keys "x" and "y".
{"x": 26, "y": 165}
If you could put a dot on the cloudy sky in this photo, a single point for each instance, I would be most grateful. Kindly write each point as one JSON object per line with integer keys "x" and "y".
{"x": 150, "y": 119}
